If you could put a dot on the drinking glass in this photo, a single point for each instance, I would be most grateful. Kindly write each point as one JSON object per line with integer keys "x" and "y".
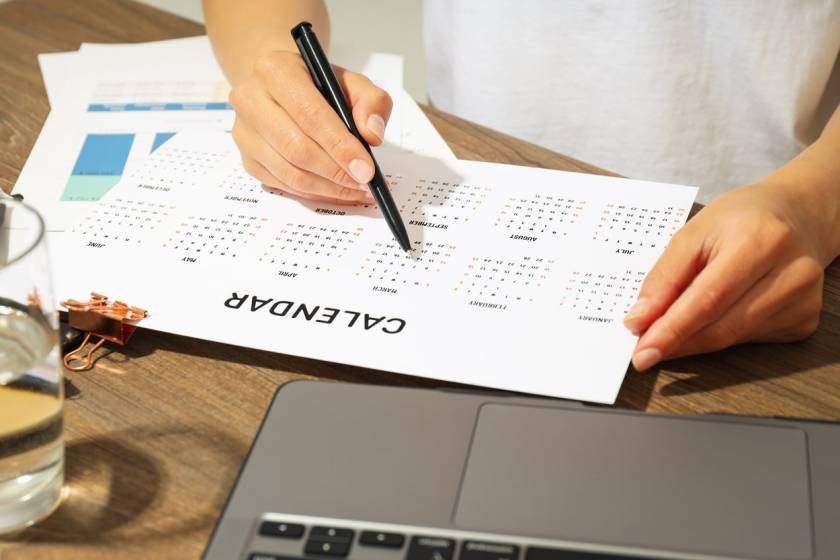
{"x": 31, "y": 389}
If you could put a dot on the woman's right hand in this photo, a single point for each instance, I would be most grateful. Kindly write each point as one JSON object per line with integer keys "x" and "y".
{"x": 293, "y": 141}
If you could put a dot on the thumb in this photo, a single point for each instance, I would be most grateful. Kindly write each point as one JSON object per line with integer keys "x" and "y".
{"x": 672, "y": 273}
{"x": 371, "y": 105}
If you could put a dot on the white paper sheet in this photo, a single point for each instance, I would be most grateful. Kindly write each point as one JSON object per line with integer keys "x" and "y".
{"x": 58, "y": 70}
{"x": 115, "y": 104}
{"x": 519, "y": 278}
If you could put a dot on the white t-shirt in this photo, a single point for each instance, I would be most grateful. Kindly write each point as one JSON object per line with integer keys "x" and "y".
{"x": 714, "y": 93}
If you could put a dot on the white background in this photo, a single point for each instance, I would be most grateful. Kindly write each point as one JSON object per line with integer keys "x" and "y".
{"x": 372, "y": 25}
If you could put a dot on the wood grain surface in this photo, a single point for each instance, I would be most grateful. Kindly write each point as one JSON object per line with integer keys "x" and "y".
{"x": 157, "y": 431}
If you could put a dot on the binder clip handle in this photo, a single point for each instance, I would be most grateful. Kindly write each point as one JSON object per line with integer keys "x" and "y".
{"x": 87, "y": 359}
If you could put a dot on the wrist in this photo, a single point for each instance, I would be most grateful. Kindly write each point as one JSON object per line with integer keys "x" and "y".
{"x": 810, "y": 185}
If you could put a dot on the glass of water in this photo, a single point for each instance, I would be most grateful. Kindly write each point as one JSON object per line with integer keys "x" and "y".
{"x": 31, "y": 390}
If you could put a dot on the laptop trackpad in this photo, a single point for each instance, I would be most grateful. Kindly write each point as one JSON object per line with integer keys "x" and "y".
{"x": 679, "y": 484}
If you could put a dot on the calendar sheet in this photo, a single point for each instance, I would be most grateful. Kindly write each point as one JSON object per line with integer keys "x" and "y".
{"x": 519, "y": 277}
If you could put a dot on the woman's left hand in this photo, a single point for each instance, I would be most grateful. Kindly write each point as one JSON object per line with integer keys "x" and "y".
{"x": 748, "y": 267}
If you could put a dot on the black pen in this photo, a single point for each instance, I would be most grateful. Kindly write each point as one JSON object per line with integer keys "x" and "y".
{"x": 326, "y": 82}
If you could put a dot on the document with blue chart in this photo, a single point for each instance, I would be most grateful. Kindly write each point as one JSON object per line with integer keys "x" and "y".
{"x": 113, "y": 105}
{"x": 518, "y": 280}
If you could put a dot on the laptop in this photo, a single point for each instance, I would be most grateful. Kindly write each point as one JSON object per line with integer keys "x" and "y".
{"x": 346, "y": 471}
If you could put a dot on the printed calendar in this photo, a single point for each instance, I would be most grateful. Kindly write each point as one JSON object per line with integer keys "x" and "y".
{"x": 518, "y": 278}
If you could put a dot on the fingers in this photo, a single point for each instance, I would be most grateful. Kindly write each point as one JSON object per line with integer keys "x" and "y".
{"x": 274, "y": 126}
{"x": 270, "y": 183}
{"x": 273, "y": 170}
{"x": 799, "y": 322}
{"x": 723, "y": 281}
{"x": 795, "y": 321}
{"x": 784, "y": 305}
{"x": 288, "y": 82}
{"x": 371, "y": 105}
{"x": 674, "y": 270}
{"x": 797, "y": 313}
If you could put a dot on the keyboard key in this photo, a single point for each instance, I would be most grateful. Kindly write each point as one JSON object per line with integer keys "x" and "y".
{"x": 331, "y": 534}
{"x": 430, "y": 548}
{"x": 327, "y": 548}
{"x": 266, "y": 556}
{"x": 378, "y": 538}
{"x": 537, "y": 553}
{"x": 280, "y": 529}
{"x": 474, "y": 550}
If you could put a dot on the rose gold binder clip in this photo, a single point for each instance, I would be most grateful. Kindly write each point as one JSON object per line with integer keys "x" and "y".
{"x": 112, "y": 321}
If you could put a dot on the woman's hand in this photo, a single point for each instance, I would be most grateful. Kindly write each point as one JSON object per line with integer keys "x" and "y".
{"x": 292, "y": 140}
{"x": 748, "y": 267}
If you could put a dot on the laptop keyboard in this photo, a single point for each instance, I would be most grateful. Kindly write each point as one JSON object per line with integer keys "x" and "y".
{"x": 294, "y": 537}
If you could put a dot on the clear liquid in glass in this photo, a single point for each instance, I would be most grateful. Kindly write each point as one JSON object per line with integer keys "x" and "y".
{"x": 31, "y": 399}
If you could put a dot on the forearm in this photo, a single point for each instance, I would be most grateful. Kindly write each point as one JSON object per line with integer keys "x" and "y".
{"x": 812, "y": 181}
{"x": 241, "y": 31}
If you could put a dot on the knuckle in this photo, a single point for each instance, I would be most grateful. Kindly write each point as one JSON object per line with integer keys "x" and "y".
{"x": 297, "y": 180}
{"x": 805, "y": 275}
{"x": 243, "y": 98}
{"x": 680, "y": 238}
{"x": 346, "y": 193}
{"x": 777, "y": 235}
{"x": 340, "y": 148}
{"x": 723, "y": 334}
{"x": 241, "y": 131}
{"x": 388, "y": 102}
{"x": 715, "y": 341}
{"x": 673, "y": 334}
{"x": 294, "y": 148}
{"x": 657, "y": 279}
{"x": 806, "y": 328}
{"x": 236, "y": 132}
{"x": 709, "y": 301}
{"x": 250, "y": 166}
{"x": 340, "y": 177}
{"x": 265, "y": 64}
{"x": 235, "y": 97}
{"x": 313, "y": 113}
{"x": 381, "y": 99}
{"x": 812, "y": 306}
{"x": 812, "y": 272}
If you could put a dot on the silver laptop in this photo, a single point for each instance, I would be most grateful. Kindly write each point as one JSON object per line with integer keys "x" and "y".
{"x": 379, "y": 473}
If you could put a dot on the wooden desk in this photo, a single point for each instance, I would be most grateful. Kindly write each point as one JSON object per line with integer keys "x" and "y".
{"x": 157, "y": 432}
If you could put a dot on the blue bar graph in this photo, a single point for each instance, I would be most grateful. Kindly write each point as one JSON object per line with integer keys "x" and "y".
{"x": 99, "y": 166}
{"x": 122, "y": 107}
{"x": 160, "y": 138}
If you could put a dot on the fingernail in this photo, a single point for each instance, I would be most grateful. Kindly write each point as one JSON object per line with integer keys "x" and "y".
{"x": 361, "y": 170}
{"x": 376, "y": 124}
{"x": 647, "y": 358}
{"x": 639, "y": 308}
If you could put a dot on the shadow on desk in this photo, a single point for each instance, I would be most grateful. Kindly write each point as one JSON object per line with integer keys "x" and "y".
{"x": 737, "y": 367}
{"x": 111, "y": 487}
{"x": 789, "y": 379}
{"x": 284, "y": 367}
